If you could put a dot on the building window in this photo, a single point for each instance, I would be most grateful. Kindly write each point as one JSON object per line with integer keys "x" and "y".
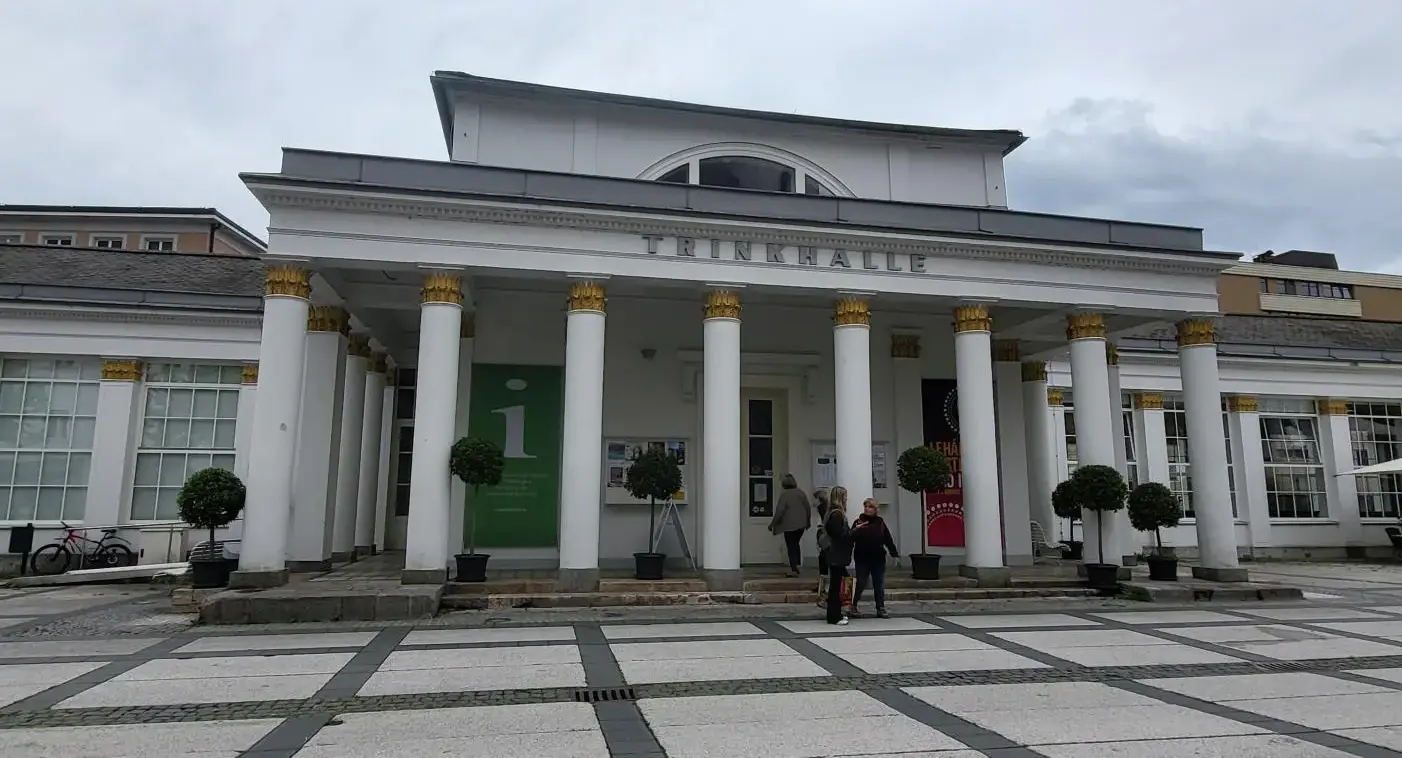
{"x": 11, "y": 239}
{"x": 1131, "y": 455}
{"x": 745, "y": 172}
{"x": 1069, "y": 421}
{"x": 1290, "y": 450}
{"x": 57, "y": 240}
{"x": 158, "y": 244}
{"x": 1307, "y": 289}
{"x": 109, "y": 242}
{"x": 1180, "y": 480}
{"x": 404, "y": 430}
{"x": 1376, "y": 431}
{"x": 48, "y": 409}
{"x": 679, "y": 175}
{"x": 187, "y": 424}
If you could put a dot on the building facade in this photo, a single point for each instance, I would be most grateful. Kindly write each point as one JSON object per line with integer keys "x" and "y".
{"x": 182, "y": 230}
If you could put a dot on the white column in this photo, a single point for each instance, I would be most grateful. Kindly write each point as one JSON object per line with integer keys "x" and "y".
{"x": 1150, "y": 438}
{"x": 387, "y": 413}
{"x": 978, "y": 443}
{"x": 371, "y": 432}
{"x": 1248, "y": 469}
{"x": 435, "y": 408}
{"x": 319, "y": 442}
{"x": 720, "y": 438}
{"x": 1014, "y": 477}
{"x": 348, "y": 465}
{"x": 1095, "y": 431}
{"x": 457, "y": 509}
{"x": 581, "y": 464}
{"x": 906, "y": 376}
{"x": 1336, "y": 452}
{"x": 1056, "y": 400}
{"x": 1041, "y": 457}
{"x": 243, "y": 425}
{"x": 1129, "y": 539}
{"x": 263, "y": 560}
{"x": 119, "y": 402}
{"x": 852, "y": 402}
{"x": 1207, "y": 449}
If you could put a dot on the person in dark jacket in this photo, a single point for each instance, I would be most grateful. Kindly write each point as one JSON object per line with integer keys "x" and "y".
{"x": 820, "y": 504}
{"x": 871, "y": 541}
{"x": 792, "y": 516}
{"x": 839, "y": 552}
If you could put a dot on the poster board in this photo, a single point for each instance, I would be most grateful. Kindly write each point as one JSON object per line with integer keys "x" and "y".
{"x": 944, "y": 510}
{"x": 825, "y": 465}
{"x": 619, "y": 454}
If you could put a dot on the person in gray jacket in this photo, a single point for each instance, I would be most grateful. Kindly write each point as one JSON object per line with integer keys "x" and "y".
{"x": 820, "y": 499}
{"x": 792, "y": 516}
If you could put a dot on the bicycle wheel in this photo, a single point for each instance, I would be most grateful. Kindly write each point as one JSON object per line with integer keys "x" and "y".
{"x": 111, "y": 556}
{"x": 50, "y": 559}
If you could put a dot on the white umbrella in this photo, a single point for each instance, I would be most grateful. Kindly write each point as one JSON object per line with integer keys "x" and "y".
{"x": 1388, "y": 467}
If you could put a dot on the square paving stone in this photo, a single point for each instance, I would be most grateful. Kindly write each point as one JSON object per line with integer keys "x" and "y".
{"x": 474, "y": 657}
{"x": 476, "y": 636}
{"x": 953, "y": 660}
{"x": 1167, "y": 617}
{"x": 1391, "y": 629}
{"x": 557, "y": 730}
{"x": 1383, "y": 736}
{"x": 858, "y": 626}
{"x": 1140, "y": 655}
{"x": 237, "y": 665}
{"x": 789, "y": 725}
{"x": 1387, "y": 675}
{"x": 902, "y": 643}
{"x": 703, "y": 629}
{"x": 1309, "y": 613}
{"x": 75, "y": 649}
{"x": 477, "y": 670}
{"x": 1331, "y": 711}
{"x": 1014, "y": 621}
{"x": 1225, "y": 689}
{"x": 718, "y": 660}
{"x": 15, "y": 621}
{"x": 1255, "y": 746}
{"x": 1047, "y": 641}
{"x": 261, "y": 642}
{"x": 1287, "y": 643}
{"x": 233, "y": 689}
{"x": 19, "y": 681}
{"x": 208, "y": 739}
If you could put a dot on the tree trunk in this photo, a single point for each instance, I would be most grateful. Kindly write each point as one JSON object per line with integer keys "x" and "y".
{"x": 651, "y": 523}
{"x": 1158, "y": 540}
{"x": 471, "y": 521}
{"x": 1100, "y": 534}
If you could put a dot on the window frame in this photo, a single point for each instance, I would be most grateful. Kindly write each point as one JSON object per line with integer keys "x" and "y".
{"x": 1172, "y": 408}
{"x": 802, "y": 167}
{"x": 1383, "y": 488}
{"x": 230, "y": 381}
{"x": 12, "y": 238}
{"x": 52, "y": 240}
{"x": 88, "y": 373}
{"x": 1277, "y": 413}
{"x": 147, "y": 239}
{"x": 96, "y": 239}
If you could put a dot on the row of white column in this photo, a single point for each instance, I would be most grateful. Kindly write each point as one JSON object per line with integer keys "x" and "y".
{"x": 315, "y": 462}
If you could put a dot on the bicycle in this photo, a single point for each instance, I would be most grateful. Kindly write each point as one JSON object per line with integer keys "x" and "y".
{"x": 54, "y": 558}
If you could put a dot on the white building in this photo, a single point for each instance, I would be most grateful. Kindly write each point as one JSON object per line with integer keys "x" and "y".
{"x": 763, "y": 293}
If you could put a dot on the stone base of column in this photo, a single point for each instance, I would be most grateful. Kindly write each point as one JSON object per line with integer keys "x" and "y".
{"x": 724, "y": 580}
{"x": 309, "y": 567}
{"x": 1355, "y": 552}
{"x": 1123, "y": 573}
{"x": 1019, "y": 560}
{"x": 424, "y": 576}
{"x": 1220, "y": 574}
{"x": 577, "y": 580}
{"x": 364, "y": 551}
{"x": 1129, "y": 560}
{"x": 374, "y": 550}
{"x": 257, "y": 580}
{"x": 344, "y": 556}
{"x": 988, "y": 577}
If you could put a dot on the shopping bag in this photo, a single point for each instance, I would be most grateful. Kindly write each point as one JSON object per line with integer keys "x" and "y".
{"x": 848, "y": 589}
{"x": 822, "y": 592}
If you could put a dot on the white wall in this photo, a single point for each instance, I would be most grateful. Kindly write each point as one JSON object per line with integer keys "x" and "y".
{"x": 624, "y": 142}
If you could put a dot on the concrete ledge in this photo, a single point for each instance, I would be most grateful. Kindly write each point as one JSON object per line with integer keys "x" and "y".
{"x": 1122, "y": 574}
{"x": 577, "y": 580}
{"x": 257, "y": 580}
{"x": 1219, "y": 574}
{"x": 309, "y": 567}
{"x": 343, "y": 556}
{"x": 729, "y": 580}
{"x": 424, "y": 576}
{"x": 338, "y": 601}
{"x": 1199, "y": 591}
{"x": 609, "y": 599}
{"x": 988, "y": 577}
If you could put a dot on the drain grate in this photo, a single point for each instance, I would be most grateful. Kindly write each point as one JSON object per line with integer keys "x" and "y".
{"x": 604, "y": 694}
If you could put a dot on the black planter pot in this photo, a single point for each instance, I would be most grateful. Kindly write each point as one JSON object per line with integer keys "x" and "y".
{"x": 209, "y": 573}
{"x": 1103, "y": 576}
{"x": 472, "y": 567}
{"x": 648, "y": 565}
{"x": 1073, "y": 549}
{"x": 1163, "y": 569}
{"x": 924, "y": 566}
{"x": 233, "y": 564}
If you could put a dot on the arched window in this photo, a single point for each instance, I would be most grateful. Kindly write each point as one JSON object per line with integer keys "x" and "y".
{"x": 744, "y": 167}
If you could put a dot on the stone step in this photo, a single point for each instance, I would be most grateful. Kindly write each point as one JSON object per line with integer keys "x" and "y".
{"x": 810, "y": 583}
{"x": 603, "y": 599}
{"x": 643, "y": 586}
{"x": 500, "y": 587}
{"x": 1030, "y": 582}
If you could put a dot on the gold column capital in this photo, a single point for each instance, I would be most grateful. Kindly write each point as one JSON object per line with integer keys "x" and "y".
{"x": 359, "y": 345}
{"x": 905, "y": 346}
{"x": 1148, "y": 401}
{"x": 1112, "y": 354}
{"x": 1196, "y": 331}
{"x": 250, "y": 373}
{"x": 852, "y": 311}
{"x": 972, "y": 318}
{"x": 1085, "y": 326}
{"x": 1242, "y": 403}
{"x": 1328, "y": 406}
{"x": 1034, "y": 371}
{"x": 288, "y": 281}
{"x": 1006, "y": 351}
{"x": 467, "y": 327}
{"x": 122, "y": 370}
{"x": 328, "y": 318}
{"x": 441, "y": 288}
{"x": 1055, "y": 399}
{"x": 722, "y": 304}
{"x": 377, "y": 362}
{"x": 587, "y": 296}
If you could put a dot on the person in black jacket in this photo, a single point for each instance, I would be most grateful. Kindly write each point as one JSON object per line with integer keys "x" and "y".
{"x": 871, "y": 541}
{"x": 839, "y": 552}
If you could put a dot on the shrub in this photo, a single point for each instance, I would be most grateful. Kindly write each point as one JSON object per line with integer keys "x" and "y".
{"x": 478, "y": 463}
{"x": 210, "y": 499}
{"x": 1101, "y": 490}
{"x": 922, "y": 469}
{"x": 654, "y": 475}
{"x": 1152, "y": 506}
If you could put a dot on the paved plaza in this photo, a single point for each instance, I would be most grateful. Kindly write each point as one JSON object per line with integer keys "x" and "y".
{"x": 109, "y": 671}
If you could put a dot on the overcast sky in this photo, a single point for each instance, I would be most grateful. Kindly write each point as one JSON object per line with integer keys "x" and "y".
{"x": 1271, "y": 124}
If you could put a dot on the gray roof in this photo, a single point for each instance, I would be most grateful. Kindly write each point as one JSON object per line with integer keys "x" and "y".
{"x": 446, "y": 82}
{"x": 436, "y": 178}
{"x": 1287, "y": 337}
{"x": 48, "y": 273}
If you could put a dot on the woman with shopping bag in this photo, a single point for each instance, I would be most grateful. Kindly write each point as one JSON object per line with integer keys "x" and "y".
{"x": 839, "y": 555}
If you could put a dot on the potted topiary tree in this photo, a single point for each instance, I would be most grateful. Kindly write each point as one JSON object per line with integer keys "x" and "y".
{"x": 1100, "y": 490}
{"x": 920, "y": 470}
{"x": 478, "y": 463}
{"x": 210, "y": 499}
{"x": 1152, "y": 507}
{"x": 1065, "y": 505}
{"x": 654, "y": 475}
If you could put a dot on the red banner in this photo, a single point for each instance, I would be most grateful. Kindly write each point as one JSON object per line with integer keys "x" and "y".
{"x": 944, "y": 511}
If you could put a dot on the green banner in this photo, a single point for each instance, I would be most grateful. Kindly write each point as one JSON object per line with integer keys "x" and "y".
{"x": 520, "y": 408}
